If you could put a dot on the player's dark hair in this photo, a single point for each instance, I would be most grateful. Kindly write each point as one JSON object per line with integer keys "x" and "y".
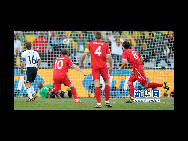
{"x": 64, "y": 51}
{"x": 126, "y": 44}
{"x": 98, "y": 35}
{"x": 28, "y": 45}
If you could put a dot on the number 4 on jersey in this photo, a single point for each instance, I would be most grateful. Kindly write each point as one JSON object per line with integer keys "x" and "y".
{"x": 98, "y": 51}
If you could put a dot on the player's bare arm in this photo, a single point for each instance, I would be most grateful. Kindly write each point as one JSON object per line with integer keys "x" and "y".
{"x": 123, "y": 64}
{"x": 78, "y": 69}
{"x": 39, "y": 62}
{"x": 141, "y": 59}
{"x": 82, "y": 59}
{"x": 110, "y": 62}
{"x": 22, "y": 65}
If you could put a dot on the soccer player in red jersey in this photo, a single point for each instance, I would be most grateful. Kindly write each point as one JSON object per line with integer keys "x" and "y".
{"x": 135, "y": 60}
{"x": 99, "y": 50}
{"x": 61, "y": 66}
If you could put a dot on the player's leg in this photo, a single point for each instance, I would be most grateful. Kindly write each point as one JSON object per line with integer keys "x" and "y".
{"x": 96, "y": 79}
{"x": 155, "y": 85}
{"x": 74, "y": 93}
{"x": 57, "y": 85}
{"x": 131, "y": 87}
{"x": 57, "y": 88}
{"x": 67, "y": 82}
{"x": 29, "y": 91}
{"x": 143, "y": 81}
{"x": 152, "y": 85}
{"x": 97, "y": 93}
{"x": 65, "y": 94}
{"x": 107, "y": 93}
{"x": 132, "y": 79}
{"x": 107, "y": 90}
{"x": 34, "y": 74}
{"x": 106, "y": 76}
{"x": 28, "y": 80}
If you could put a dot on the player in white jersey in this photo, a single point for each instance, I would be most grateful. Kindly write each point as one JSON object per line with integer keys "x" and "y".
{"x": 32, "y": 60}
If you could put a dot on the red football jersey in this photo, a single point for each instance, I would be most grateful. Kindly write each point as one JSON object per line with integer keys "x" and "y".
{"x": 98, "y": 51}
{"x": 61, "y": 65}
{"x": 132, "y": 56}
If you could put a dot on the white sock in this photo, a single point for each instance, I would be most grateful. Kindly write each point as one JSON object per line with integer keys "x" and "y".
{"x": 32, "y": 90}
{"x": 98, "y": 104}
{"x": 29, "y": 92}
{"x": 107, "y": 102}
{"x": 163, "y": 85}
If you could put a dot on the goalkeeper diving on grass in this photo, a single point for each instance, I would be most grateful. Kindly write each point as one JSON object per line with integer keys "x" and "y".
{"x": 46, "y": 91}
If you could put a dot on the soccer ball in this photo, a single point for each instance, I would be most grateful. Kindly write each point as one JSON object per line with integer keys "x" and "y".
{"x": 66, "y": 41}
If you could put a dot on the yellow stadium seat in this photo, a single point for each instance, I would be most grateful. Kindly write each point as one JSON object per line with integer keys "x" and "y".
{"x": 164, "y": 32}
{"x": 68, "y": 33}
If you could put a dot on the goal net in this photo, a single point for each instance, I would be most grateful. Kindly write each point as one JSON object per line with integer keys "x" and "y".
{"x": 156, "y": 47}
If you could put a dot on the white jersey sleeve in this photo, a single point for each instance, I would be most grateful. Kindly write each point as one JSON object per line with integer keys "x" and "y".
{"x": 24, "y": 56}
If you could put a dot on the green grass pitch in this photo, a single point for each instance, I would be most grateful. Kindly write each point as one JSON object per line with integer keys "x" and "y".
{"x": 89, "y": 103}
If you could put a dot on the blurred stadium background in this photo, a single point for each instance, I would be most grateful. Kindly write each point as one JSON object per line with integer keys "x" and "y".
{"x": 157, "y": 48}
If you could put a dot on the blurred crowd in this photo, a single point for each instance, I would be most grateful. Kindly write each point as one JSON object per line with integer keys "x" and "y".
{"x": 154, "y": 46}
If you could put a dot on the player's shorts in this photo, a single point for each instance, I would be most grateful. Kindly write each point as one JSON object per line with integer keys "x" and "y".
{"x": 58, "y": 80}
{"x": 31, "y": 74}
{"x": 138, "y": 74}
{"x": 103, "y": 71}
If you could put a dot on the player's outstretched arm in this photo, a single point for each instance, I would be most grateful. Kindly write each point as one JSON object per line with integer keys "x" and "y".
{"x": 22, "y": 65}
{"x": 123, "y": 64}
{"x": 78, "y": 69}
{"x": 110, "y": 62}
{"x": 141, "y": 59}
{"x": 39, "y": 62}
{"x": 82, "y": 59}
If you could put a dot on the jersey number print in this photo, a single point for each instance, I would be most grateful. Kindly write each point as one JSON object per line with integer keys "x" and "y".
{"x": 32, "y": 60}
{"x": 135, "y": 55}
{"x": 98, "y": 51}
{"x": 58, "y": 64}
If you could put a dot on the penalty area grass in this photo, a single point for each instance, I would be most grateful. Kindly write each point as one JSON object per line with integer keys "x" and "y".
{"x": 89, "y": 103}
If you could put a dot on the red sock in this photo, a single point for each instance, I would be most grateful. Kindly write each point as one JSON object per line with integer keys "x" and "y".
{"x": 98, "y": 94}
{"x": 131, "y": 87}
{"x": 107, "y": 92}
{"x": 74, "y": 93}
{"x": 154, "y": 85}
